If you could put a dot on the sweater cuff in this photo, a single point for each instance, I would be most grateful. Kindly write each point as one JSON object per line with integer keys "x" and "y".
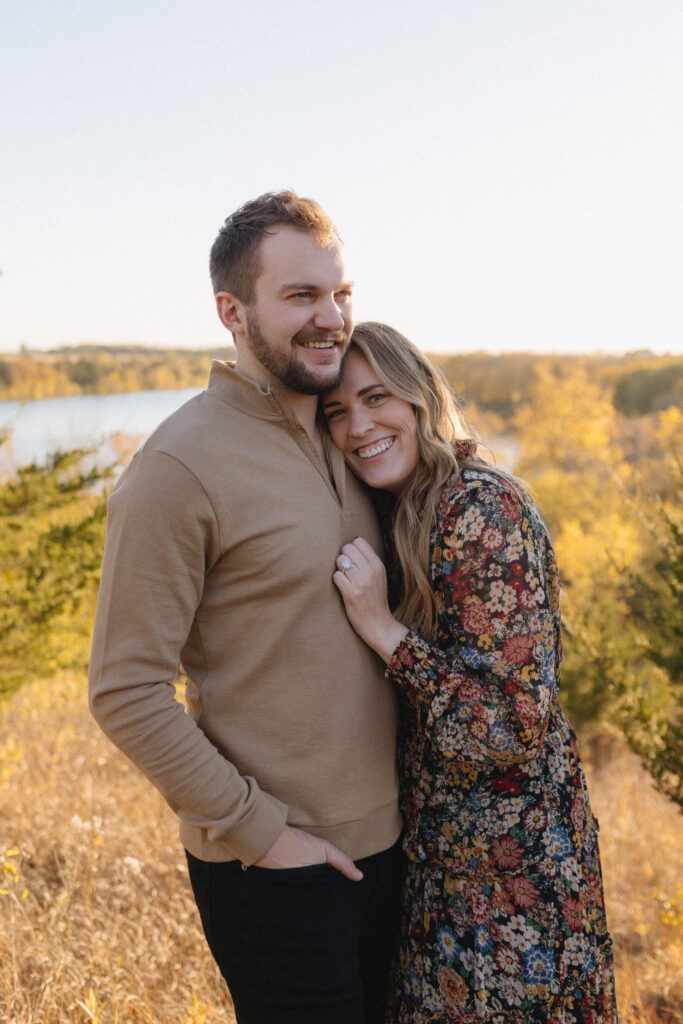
{"x": 256, "y": 832}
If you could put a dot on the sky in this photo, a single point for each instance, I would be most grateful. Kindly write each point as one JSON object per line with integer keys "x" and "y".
{"x": 507, "y": 175}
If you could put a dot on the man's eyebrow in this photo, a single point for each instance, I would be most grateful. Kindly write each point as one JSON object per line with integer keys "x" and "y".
{"x": 303, "y": 286}
{"x": 299, "y": 286}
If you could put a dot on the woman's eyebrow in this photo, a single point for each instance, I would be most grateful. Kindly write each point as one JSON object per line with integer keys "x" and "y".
{"x": 360, "y": 394}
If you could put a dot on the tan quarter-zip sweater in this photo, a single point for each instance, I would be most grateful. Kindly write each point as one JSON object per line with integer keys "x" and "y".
{"x": 221, "y": 542}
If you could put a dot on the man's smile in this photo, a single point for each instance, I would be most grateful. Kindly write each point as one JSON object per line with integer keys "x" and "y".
{"x": 312, "y": 338}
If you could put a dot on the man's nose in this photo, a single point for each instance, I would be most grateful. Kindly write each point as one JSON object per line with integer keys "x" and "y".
{"x": 328, "y": 316}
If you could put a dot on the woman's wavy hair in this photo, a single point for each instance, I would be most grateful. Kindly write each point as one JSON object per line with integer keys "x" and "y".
{"x": 406, "y": 372}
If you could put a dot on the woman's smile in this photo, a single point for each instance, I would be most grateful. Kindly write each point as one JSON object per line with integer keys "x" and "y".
{"x": 375, "y": 448}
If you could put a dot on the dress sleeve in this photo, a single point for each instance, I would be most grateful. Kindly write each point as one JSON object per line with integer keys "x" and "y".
{"x": 162, "y": 537}
{"x": 486, "y": 683}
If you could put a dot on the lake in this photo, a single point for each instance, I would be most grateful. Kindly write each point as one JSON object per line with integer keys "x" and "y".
{"x": 94, "y": 421}
{"x": 84, "y": 421}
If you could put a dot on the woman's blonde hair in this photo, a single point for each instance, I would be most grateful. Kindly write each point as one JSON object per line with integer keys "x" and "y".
{"x": 406, "y": 372}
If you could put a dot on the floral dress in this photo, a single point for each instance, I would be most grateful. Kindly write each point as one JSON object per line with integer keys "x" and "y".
{"x": 503, "y": 917}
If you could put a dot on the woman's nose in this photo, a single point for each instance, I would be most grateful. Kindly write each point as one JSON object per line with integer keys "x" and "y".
{"x": 360, "y": 422}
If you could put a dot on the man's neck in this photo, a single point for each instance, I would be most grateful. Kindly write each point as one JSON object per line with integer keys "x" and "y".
{"x": 304, "y": 407}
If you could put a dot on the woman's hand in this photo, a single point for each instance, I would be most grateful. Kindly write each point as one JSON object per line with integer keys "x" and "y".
{"x": 362, "y": 583}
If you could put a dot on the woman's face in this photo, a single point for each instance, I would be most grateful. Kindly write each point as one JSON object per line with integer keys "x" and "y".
{"x": 376, "y": 430}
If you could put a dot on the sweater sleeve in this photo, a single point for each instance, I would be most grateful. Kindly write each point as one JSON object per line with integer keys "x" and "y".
{"x": 487, "y": 683}
{"x": 162, "y": 537}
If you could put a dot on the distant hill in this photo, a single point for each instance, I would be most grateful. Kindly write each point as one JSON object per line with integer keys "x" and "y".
{"x": 640, "y": 382}
{"x": 103, "y": 370}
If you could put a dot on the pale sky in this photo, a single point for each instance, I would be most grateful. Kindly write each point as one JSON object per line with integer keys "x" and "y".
{"x": 506, "y": 174}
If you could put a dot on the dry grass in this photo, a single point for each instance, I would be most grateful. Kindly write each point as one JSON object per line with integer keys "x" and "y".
{"x": 97, "y": 923}
{"x": 641, "y": 842}
{"x": 96, "y": 919}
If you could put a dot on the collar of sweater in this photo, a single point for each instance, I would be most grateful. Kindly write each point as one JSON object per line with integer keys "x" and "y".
{"x": 267, "y": 402}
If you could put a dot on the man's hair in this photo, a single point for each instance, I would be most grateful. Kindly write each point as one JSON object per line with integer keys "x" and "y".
{"x": 234, "y": 262}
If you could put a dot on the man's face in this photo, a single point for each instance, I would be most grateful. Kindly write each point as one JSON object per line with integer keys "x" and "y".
{"x": 300, "y": 321}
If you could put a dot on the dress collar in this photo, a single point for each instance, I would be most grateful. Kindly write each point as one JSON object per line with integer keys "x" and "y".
{"x": 465, "y": 449}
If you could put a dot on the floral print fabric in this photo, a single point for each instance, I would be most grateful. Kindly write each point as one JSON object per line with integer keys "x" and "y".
{"x": 504, "y": 916}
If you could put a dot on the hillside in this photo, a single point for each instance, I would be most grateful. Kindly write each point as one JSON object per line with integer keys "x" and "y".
{"x": 640, "y": 382}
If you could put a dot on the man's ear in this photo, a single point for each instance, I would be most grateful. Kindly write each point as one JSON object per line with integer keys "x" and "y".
{"x": 231, "y": 312}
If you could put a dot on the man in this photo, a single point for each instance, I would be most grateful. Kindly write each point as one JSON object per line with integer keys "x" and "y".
{"x": 221, "y": 545}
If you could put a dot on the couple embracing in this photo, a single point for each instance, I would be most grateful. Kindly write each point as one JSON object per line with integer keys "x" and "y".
{"x": 381, "y": 801}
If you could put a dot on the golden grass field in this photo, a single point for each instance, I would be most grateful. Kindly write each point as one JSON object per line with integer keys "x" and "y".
{"x": 97, "y": 922}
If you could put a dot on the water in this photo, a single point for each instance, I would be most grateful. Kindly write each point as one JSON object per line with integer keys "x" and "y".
{"x": 84, "y": 421}
{"x": 92, "y": 421}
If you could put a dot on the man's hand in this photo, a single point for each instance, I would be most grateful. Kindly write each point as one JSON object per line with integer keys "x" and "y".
{"x": 294, "y": 848}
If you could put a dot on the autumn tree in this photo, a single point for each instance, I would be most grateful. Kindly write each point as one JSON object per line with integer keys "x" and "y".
{"x": 618, "y": 547}
{"x": 51, "y": 536}
{"x": 654, "y": 725}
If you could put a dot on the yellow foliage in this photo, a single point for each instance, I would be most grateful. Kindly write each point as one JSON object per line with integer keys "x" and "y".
{"x": 566, "y": 422}
{"x": 670, "y": 428}
{"x": 92, "y": 1008}
{"x": 11, "y": 759}
{"x": 196, "y": 1011}
{"x": 588, "y": 557}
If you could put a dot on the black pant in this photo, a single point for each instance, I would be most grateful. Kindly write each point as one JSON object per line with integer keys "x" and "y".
{"x": 302, "y": 945}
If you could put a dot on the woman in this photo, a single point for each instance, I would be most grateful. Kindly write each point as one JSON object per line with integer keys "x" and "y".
{"x": 503, "y": 910}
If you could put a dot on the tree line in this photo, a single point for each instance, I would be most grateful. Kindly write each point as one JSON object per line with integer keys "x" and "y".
{"x": 102, "y": 370}
{"x": 640, "y": 382}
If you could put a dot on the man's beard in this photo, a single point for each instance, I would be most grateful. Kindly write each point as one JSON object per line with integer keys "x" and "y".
{"x": 286, "y": 366}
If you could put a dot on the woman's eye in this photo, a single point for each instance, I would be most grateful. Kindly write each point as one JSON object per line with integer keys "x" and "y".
{"x": 377, "y": 396}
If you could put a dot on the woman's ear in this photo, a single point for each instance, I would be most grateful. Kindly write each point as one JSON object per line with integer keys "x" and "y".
{"x": 231, "y": 312}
